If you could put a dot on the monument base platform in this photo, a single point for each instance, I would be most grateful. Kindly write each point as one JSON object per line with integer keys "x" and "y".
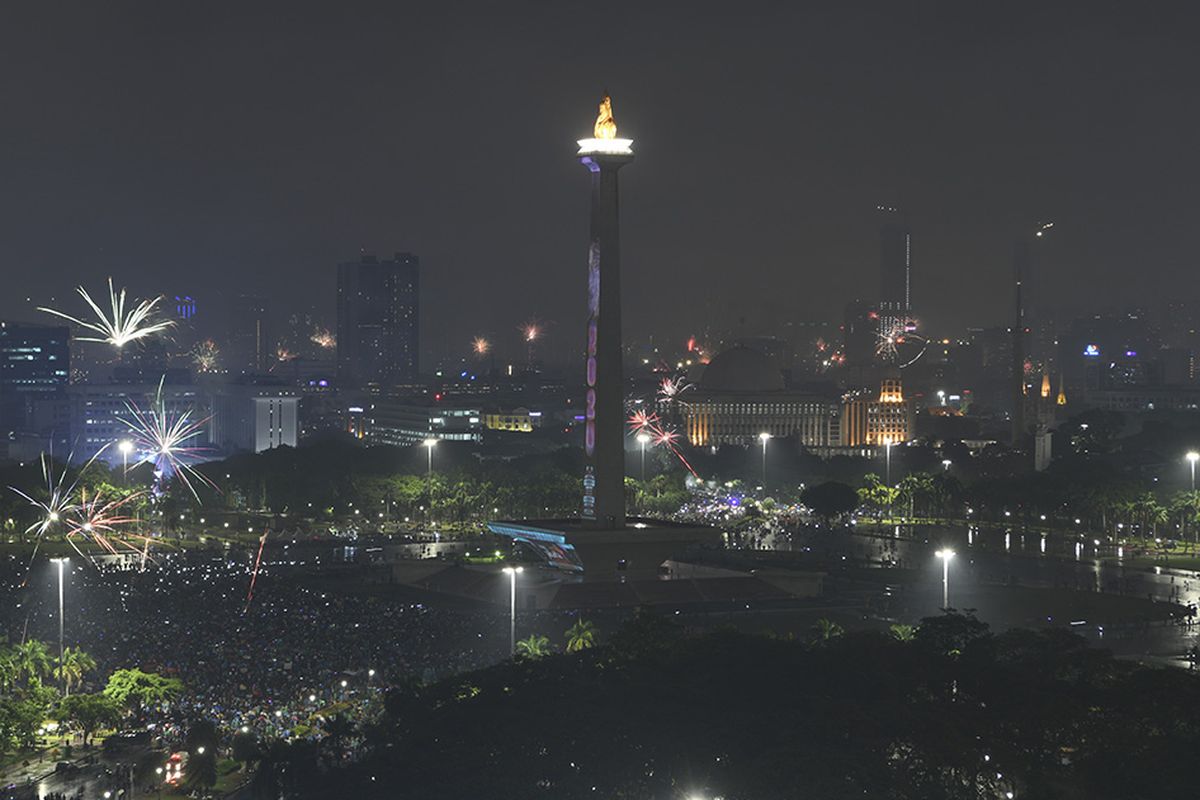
{"x": 637, "y": 551}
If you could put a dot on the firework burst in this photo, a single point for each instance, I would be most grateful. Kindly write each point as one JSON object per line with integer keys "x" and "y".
{"x": 121, "y": 326}
{"x": 206, "y": 357}
{"x": 70, "y": 511}
{"x": 323, "y": 339}
{"x": 164, "y": 438}
{"x": 98, "y": 520}
{"x": 670, "y": 389}
{"x": 659, "y": 433}
{"x": 899, "y": 343}
{"x": 481, "y": 346}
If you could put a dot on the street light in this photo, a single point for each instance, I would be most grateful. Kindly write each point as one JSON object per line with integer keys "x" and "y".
{"x": 429, "y": 444}
{"x": 126, "y": 447}
{"x": 946, "y": 464}
{"x": 61, "y": 562}
{"x": 764, "y": 437}
{"x": 512, "y": 573}
{"x": 945, "y": 555}
{"x": 1192, "y": 458}
{"x": 643, "y": 439}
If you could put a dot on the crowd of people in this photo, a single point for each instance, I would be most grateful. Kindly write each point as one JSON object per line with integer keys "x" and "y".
{"x": 269, "y": 665}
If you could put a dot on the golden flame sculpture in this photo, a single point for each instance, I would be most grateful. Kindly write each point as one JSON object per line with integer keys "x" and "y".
{"x": 606, "y": 126}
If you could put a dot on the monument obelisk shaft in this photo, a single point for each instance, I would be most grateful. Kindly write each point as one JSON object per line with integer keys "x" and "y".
{"x": 604, "y": 407}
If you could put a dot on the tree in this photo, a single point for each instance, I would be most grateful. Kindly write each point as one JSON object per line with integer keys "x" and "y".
{"x": 903, "y": 633}
{"x": 75, "y": 664}
{"x": 825, "y": 631}
{"x": 535, "y": 646}
{"x": 581, "y": 636}
{"x": 135, "y": 689}
{"x": 32, "y": 660}
{"x": 201, "y": 771}
{"x": 338, "y": 729}
{"x": 87, "y": 713}
{"x": 245, "y": 749}
{"x": 830, "y": 499}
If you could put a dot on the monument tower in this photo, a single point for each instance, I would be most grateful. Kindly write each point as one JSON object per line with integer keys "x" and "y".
{"x": 604, "y": 407}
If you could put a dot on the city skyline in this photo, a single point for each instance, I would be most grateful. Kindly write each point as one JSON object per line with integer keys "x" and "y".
{"x": 780, "y": 154}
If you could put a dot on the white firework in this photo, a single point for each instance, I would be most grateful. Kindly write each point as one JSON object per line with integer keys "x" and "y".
{"x": 899, "y": 343}
{"x": 163, "y": 438}
{"x": 120, "y": 326}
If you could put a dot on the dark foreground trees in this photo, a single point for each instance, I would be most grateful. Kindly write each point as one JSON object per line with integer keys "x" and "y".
{"x": 951, "y": 711}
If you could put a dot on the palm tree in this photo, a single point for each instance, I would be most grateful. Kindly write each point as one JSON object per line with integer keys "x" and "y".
{"x": 581, "y": 636}
{"x": 32, "y": 660}
{"x": 534, "y": 647}
{"x": 75, "y": 663}
{"x": 8, "y": 666}
{"x": 826, "y": 630}
{"x": 903, "y": 633}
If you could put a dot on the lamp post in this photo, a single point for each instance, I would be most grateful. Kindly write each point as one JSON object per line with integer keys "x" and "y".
{"x": 62, "y": 678}
{"x": 764, "y": 437}
{"x": 945, "y": 554}
{"x": 946, "y": 464}
{"x": 126, "y": 447}
{"x": 429, "y": 444}
{"x": 643, "y": 439}
{"x": 1192, "y": 458}
{"x": 512, "y": 573}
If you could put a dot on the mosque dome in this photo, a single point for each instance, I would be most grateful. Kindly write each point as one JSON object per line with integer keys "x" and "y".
{"x": 742, "y": 369}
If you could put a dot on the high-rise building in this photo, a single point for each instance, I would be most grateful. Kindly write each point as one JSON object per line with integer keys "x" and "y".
{"x": 377, "y": 321}
{"x": 35, "y": 363}
{"x": 860, "y": 328}
{"x": 251, "y": 348}
{"x": 895, "y": 271}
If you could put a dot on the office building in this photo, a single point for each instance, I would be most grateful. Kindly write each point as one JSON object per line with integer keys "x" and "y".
{"x": 35, "y": 363}
{"x": 377, "y": 321}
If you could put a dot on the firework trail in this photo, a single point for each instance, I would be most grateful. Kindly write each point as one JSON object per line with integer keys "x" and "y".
{"x": 123, "y": 325}
{"x": 262, "y": 543}
{"x": 162, "y": 438}
{"x": 660, "y": 434}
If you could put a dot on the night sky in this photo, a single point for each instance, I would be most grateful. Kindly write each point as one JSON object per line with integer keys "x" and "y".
{"x": 218, "y": 148}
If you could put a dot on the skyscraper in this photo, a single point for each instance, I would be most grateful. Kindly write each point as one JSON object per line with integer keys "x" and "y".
{"x": 377, "y": 320}
{"x": 604, "y": 411}
{"x": 35, "y": 363}
{"x": 895, "y": 271}
{"x": 250, "y": 346}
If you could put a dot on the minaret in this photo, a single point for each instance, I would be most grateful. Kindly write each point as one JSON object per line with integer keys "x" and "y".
{"x": 604, "y": 407}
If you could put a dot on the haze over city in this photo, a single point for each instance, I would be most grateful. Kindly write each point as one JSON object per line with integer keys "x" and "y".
{"x": 610, "y": 400}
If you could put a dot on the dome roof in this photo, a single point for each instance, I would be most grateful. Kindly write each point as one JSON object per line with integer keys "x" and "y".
{"x": 741, "y": 369}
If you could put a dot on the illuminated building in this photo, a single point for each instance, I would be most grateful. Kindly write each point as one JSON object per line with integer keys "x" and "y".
{"x": 604, "y": 410}
{"x": 741, "y": 394}
{"x": 520, "y": 420}
{"x": 35, "y": 362}
{"x": 378, "y": 307}
{"x": 404, "y": 423}
{"x": 895, "y": 271}
{"x": 877, "y": 419}
{"x": 250, "y": 346}
{"x": 254, "y": 417}
{"x": 860, "y": 327}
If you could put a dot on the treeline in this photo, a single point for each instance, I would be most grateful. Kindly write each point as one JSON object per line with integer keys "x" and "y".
{"x": 947, "y": 710}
